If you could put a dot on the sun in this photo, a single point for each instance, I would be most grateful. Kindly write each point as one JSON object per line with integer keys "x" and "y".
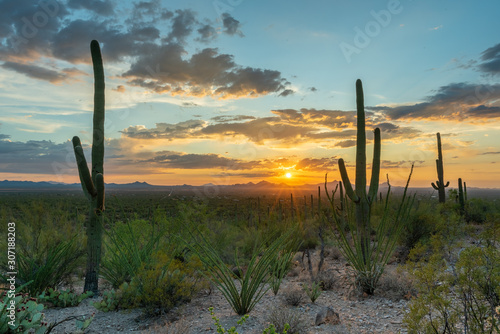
{"x": 288, "y": 175}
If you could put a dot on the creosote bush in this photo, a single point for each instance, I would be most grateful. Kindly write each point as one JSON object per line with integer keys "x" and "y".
{"x": 281, "y": 316}
{"x": 459, "y": 297}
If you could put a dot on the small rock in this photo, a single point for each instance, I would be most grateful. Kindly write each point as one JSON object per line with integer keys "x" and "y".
{"x": 327, "y": 315}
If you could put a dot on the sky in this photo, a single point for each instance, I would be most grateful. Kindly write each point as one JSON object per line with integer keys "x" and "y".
{"x": 237, "y": 91}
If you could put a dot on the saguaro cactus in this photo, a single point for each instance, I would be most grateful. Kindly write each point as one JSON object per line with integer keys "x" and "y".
{"x": 93, "y": 184}
{"x": 439, "y": 186}
{"x": 362, "y": 199}
{"x": 461, "y": 196}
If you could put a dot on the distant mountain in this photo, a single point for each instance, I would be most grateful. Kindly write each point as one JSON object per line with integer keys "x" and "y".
{"x": 211, "y": 189}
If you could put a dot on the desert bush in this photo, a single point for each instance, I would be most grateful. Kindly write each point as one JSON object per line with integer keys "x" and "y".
{"x": 421, "y": 224}
{"x": 159, "y": 285}
{"x": 293, "y": 297}
{"x": 396, "y": 285}
{"x": 280, "y": 317}
{"x": 478, "y": 210}
{"x": 166, "y": 282}
{"x": 457, "y": 298}
{"x": 327, "y": 280}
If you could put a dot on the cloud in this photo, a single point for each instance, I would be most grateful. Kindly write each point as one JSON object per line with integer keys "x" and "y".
{"x": 207, "y": 73}
{"x": 316, "y": 164}
{"x": 313, "y": 89}
{"x": 286, "y": 92}
{"x": 231, "y": 25}
{"x": 164, "y": 130}
{"x": 453, "y": 102}
{"x": 4, "y": 136}
{"x": 231, "y": 118}
{"x": 180, "y": 160}
{"x": 182, "y": 25}
{"x": 152, "y": 39}
{"x": 34, "y": 156}
{"x": 346, "y": 143}
{"x": 207, "y": 33}
{"x": 491, "y": 60}
{"x": 120, "y": 89}
{"x": 42, "y": 73}
{"x": 104, "y": 8}
{"x": 488, "y": 153}
{"x": 287, "y": 127}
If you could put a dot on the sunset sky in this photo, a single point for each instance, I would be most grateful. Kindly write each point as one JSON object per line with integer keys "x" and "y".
{"x": 237, "y": 91}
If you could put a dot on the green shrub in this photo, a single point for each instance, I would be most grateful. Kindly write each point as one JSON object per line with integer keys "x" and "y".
{"x": 166, "y": 282}
{"x": 159, "y": 285}
{"x": 421, "y": 224}
{"x": 455, "y": 298}
{"x": 313, "y": 291}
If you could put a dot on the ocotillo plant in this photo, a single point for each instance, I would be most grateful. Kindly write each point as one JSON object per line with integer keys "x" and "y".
{"x": 362, "y": 199}
{"x": 93, "y": 184}
{"x": 439, "y": 186}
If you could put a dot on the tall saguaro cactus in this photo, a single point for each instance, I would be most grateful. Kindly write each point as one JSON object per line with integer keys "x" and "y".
{"x": 93, "y": 184}
{"x": 362, "y": 199}
{"x": 439, "y": 186}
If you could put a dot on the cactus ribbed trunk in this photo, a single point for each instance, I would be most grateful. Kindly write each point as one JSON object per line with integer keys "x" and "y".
{"x": 359, "y": 196}
{"x": 93, "y": 184}
{"x": 439, "y": 186}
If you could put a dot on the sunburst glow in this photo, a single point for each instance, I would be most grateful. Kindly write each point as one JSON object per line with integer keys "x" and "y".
{"x": 288, "y": 175}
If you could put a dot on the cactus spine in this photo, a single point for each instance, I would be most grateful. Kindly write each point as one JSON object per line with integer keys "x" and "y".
{"x": 359, "y": 196}
{"x": 93, "y": 184}
{"x": 439, "y": 186}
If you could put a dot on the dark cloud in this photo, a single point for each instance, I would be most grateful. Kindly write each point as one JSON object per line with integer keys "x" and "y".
{"x": 159, "y": 60}
{"x": 346, "y": 143}
{"x": 488, "y": 153}
{"x": 38, "y": 157}
{"x": 231, "y": 118}
{"x": 164, "y": 69}
{"x": 164, "y": 130}
{"x": 182, "y": 25}
{"x": 231, "y": 25}
{"x": 313, "y": 89}
{"x": 207, "y": 33}
{"x": 4, "y": 136}
{"x": 286, "y": 92}
{"x": 199, "y": 161}
{"x": 454, "y": 102}
{"x": 316, "y": 164}
{"x": 42, "y": 73}
{"x": 104, "y": 8}
{"x": 491, "y": 60}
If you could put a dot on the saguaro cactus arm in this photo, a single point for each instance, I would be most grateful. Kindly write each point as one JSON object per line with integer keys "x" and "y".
{"x": 372, "y": 193}
{"x": 347, "y": 184}
{"x": 83, "y": 169}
